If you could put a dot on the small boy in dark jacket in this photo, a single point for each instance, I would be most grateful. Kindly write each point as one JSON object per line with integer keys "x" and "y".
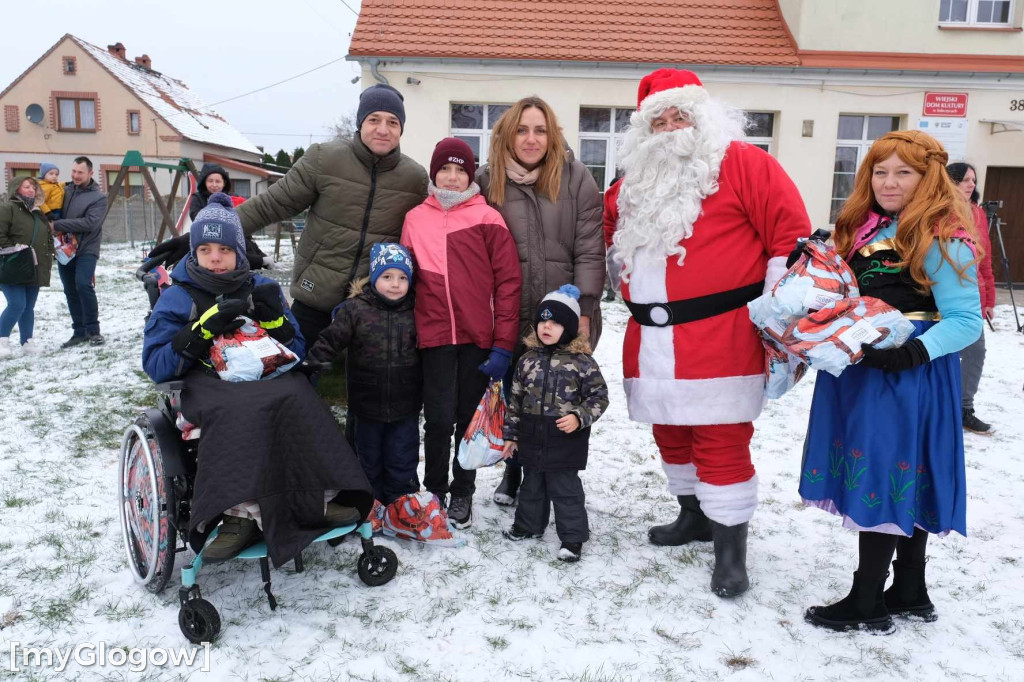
{"x": 557, "y": 394}
{"x": 377, "y": 327}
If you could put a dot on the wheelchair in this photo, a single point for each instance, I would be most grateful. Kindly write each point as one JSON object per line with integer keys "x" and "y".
{"x": 156, "y": 477}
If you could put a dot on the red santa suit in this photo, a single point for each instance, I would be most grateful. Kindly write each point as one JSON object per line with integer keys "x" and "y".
{"x": 701, "y": 382}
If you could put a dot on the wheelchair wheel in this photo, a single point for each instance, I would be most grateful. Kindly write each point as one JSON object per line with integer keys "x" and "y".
{"x": 377, "y": 566}
{"x": 146, "y": 501}
{"x": 199, "y": 621}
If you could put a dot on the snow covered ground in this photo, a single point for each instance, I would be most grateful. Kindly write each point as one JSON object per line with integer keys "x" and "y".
{"x": 491, "y": 610}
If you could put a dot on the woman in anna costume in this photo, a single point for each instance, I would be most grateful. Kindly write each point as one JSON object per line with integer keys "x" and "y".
{"x": 884, "y": 445}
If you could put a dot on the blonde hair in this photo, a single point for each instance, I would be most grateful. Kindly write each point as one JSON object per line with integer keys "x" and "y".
{"x": 503, "y": 138}
{"x": 935, "y": 209}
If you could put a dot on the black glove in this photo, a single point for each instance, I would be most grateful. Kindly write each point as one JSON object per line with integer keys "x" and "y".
{"x": 801, "y": 245}
{"x": 268, "y": 309}
{"x": 908, "y": 356}
{"x": 172, "y": 250}
{"x": 194, "y": 341}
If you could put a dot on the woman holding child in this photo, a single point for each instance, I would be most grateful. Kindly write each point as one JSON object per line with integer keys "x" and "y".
{"x": 884, "y": 446}
{"x": 552, "y": 207}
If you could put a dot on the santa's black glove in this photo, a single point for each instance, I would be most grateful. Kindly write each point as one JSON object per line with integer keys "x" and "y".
{"x": 908, "y": 356}
{"x": 268, "y": 309}
{"x": 194, "y": 341}
{"x": 172, "y": 250}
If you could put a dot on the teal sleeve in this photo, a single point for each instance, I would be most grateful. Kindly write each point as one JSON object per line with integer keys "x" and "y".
{"x": 957, "y": 299}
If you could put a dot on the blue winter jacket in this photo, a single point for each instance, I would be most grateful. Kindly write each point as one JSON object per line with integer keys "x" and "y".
{"x": 171, "y": 313}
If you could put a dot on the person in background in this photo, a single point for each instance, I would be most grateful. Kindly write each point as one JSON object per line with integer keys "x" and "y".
{"x": 22, "y": 222}
{"x": 885, "y": 447}
{"x": 972, "y": 358}
{"x": 213, "y": 178}
{"x": 82, "y": 216}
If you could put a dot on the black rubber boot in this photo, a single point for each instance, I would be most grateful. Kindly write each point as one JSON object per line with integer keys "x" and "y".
{"x": 864, "y": 608}
{"x": 729, "y": 578}
{"x": 908, "y": 595}
{"x": 689, "y": 526}
{"x": 505, "y": 493}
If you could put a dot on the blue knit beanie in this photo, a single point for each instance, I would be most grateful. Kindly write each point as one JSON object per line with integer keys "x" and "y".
{"x": 389, "y": 255}
{"x": 380, "y": 97}
{"x": 218, "y": 223}
{"x": 45, "y": 167}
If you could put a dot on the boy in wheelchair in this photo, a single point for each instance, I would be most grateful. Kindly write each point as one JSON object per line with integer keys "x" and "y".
{"x": 271, "y": 456}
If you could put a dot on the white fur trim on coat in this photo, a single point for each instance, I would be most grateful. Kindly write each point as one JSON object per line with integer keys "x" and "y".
{"x": 776, "y": 269}
{"x": 681, "y": 478}
{"x": 729, "y": 505}
{"x": 683, "y": 98}
{"x": 690, "y": 402}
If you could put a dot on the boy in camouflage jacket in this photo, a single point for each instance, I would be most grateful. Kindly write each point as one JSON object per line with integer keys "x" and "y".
{"x": 557, "y": 394}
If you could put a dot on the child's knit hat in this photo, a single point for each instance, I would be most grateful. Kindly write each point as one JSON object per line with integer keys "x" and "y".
{"x": 45, "y": 167}
{"x": 452, "y": 150}
{"x": 217, "y": 223}
{"x": 389, "y": 255}
{"x": 563, "y": 307}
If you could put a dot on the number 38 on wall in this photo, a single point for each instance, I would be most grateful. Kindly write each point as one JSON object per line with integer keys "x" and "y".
{"x": 1017, "y": 105}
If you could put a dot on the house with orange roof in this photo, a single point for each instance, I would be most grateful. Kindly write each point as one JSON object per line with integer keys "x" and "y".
{"x": 81, "y": 99}
{"x": 819, "y": 80}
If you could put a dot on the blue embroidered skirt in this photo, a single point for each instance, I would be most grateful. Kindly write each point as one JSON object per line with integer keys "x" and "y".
{"x": 885, "y": 450}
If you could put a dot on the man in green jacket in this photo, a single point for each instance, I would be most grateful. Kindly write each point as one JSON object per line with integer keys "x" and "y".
{"x": 357, "y": 192}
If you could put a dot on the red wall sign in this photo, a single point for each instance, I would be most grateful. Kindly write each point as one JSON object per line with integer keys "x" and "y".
{"x": 945, "y": 104}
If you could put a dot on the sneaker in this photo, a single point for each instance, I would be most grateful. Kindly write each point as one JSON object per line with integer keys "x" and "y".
{"x": 975, "y": 425}
{"x": 337, "y": 515}
{"x": 5, "y": 348}
{"x": 31, "y": 347}
{"x": 75, "y": 340}
{"x": 517, "y": 534}
{"x": 234, "y": 535}
{"x": 570, "y": 552}
{"x": 460, "y": 511}
{"x": 97, "y": 340}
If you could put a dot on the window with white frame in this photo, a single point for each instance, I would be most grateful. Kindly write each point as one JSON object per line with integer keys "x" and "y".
{"x": 602, "y": 130}
{"x": 975, "y": 12}
{"x": 472, "y": 123}
{"x": 856, "y": 135}
{"x": 77, "y": 115}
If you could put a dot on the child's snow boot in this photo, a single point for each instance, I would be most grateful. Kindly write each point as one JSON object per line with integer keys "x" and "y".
{"x": 570, "y": 552}
{"x": 863, "y": 608}
{"x": 460, "y": 511}
{"x": 505, "y": 493}
{"x": 234, "y": 535}
{"x": 515, "y": 534}
{"x": 729, "y": 579}
{"x": 690, "y": 525}
{"x": 908, "y": 595}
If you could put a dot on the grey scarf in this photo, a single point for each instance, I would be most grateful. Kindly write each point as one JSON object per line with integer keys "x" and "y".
{"x": 226, "y": 283}
{"x": 449, "y": 198}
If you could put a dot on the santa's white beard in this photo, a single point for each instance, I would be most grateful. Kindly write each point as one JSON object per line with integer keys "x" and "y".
{"x": 667, "y": 177}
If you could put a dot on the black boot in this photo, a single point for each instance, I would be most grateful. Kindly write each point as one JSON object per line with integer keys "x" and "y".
{"x": 908, "y": 595}
{"x": 975, "y": 425}
{"x": 729, "y": 578}
{"x": 863, "y": 608}
{"x": 690, "y": 525}
{"x": 505, "y": 493}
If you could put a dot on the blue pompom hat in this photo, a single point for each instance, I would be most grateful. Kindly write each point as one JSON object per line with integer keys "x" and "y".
{"x": 389, "y": 255}
{"x": 563, "y": 306}
{"x": 45, "y": 167}
{"x": 218, "y": 223}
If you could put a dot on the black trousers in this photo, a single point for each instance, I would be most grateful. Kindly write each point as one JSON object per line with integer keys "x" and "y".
{"x": 311, "y": 322}
{"x": 452, "y": 388}
{"x": 564, "y": 490}
{"x": 389, "y": 453}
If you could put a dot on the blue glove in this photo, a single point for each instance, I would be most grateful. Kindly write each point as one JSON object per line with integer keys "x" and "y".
{"x": 497, "y": 363}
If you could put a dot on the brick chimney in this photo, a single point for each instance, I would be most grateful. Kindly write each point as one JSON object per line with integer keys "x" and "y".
{"x": 145, "y": 62}
{"x": 118, "y": 50}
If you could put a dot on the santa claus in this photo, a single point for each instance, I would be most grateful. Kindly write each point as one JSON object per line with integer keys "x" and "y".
{"x": 700, "y": 223}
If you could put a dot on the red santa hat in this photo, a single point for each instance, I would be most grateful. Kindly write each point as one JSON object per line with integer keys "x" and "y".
{"x": 665, "y": 88}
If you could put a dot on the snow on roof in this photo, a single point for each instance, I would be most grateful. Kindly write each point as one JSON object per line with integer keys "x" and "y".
{"x": 171, "y": 99}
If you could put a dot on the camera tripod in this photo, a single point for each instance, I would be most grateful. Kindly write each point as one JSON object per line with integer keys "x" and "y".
{"x": 995, "y": 223}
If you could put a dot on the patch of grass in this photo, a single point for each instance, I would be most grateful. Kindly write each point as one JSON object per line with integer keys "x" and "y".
{"x": 498, "y": 643}
{"x": 12, "y": 500}
{"x": 740, "y": 661}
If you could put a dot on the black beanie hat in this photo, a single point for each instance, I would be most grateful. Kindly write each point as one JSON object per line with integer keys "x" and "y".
{"x": 561, "y": 306}
{"x": 380, "y": 97}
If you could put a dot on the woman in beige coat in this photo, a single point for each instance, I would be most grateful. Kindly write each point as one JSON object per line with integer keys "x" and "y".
{"x": 552, "y": 206}
{"x": 22, "y": 222}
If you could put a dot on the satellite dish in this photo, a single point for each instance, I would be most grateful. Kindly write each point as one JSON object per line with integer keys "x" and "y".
{"x": 34, "y": 113}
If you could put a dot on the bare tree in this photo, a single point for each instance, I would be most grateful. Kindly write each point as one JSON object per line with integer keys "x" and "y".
{"x": 345, "y": 127}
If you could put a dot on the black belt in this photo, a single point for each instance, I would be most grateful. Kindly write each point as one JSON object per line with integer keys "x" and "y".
{"x": 693, "y": 309}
